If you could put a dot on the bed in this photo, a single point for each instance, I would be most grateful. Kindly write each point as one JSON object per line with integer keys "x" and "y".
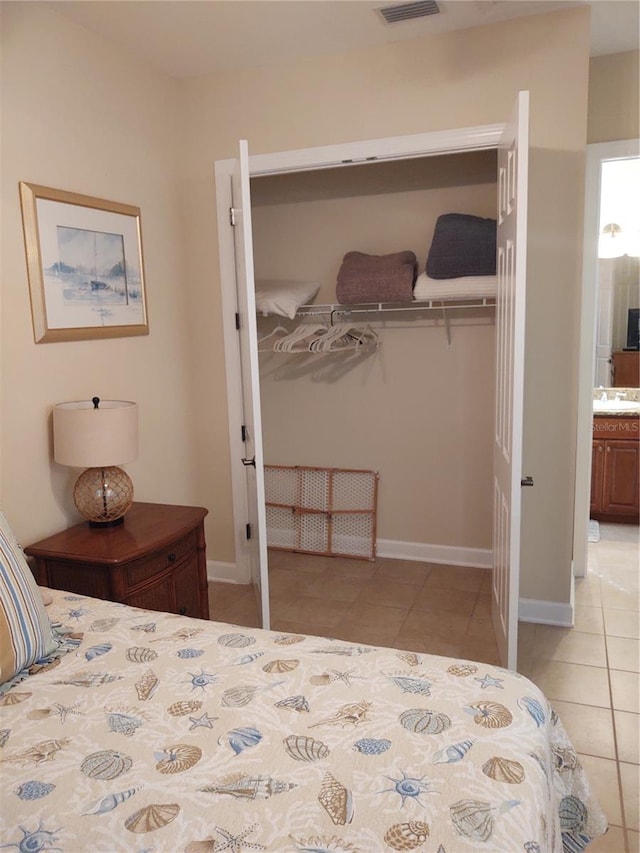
{"x": 145, "y": 731}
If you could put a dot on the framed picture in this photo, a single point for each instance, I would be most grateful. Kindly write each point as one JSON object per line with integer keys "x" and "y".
{"x": 84, "y": 260}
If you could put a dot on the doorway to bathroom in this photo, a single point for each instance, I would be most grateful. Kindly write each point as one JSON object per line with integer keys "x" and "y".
{"x": 609, "y": 355}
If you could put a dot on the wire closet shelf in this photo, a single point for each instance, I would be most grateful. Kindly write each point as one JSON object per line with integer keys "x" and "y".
{"x": 339, "y": 311}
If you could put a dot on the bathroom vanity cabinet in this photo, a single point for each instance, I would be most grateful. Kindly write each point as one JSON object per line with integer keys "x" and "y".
{"x": 615, "y": 469}
{"x": 626, "y": 368}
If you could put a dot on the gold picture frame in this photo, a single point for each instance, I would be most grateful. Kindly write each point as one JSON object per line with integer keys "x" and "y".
{"x": 85, "y": 266}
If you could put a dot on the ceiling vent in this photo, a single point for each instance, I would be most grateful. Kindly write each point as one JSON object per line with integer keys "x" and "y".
{"x": 407, "y": 11}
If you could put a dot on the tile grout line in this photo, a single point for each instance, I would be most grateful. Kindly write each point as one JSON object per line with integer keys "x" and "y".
{"x": 613, "y": 722}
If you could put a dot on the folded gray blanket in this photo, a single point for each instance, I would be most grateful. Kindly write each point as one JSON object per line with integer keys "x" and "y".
{"x": 462, "y": 245}
{"x": 376, "y": 278}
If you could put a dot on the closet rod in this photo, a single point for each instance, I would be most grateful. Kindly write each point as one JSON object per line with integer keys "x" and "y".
{"x": 388, "y": 307}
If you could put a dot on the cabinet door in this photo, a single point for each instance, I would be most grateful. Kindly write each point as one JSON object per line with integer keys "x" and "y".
{"x": 597, "y": 475}
{"x": 187, "y": 590}
{"x": 621, "y": 477}
{"x": 626, "y": 369}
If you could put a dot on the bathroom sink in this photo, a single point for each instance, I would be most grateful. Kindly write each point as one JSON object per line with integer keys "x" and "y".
{"x": 604, "y": 406}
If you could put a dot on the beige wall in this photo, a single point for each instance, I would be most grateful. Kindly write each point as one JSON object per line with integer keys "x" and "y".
{"x": 614, "y": 97}
{"x": 418, "y": 412}
{"x": 453, "y": 80}
{"x": 79, "y": 116}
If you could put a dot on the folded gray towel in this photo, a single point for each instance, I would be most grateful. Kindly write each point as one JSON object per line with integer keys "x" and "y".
{"x": 462, "y": 245}
{"x": 376, "y": 278}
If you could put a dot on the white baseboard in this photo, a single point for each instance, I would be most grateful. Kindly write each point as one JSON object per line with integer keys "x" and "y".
{"x": 545, "y": 612}
{"x": 423, "y": 552}
{"x": 224, "y": 572}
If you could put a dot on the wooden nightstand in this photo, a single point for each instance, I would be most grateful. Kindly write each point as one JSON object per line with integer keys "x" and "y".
{"x": 155, "y": 560}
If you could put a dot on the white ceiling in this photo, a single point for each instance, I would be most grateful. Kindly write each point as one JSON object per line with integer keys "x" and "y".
{"x": 186, "y": 38}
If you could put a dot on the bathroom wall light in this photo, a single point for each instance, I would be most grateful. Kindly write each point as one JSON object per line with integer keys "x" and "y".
{"x": 611, "y": 243}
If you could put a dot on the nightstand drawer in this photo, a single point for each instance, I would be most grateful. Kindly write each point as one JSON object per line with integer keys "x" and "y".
{"x": 157, "y": 562}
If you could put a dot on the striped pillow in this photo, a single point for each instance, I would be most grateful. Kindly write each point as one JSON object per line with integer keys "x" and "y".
{"x": 25, "y": 629}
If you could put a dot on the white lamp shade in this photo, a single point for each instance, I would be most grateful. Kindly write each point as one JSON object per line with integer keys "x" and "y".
{"x": 89, "y": 437}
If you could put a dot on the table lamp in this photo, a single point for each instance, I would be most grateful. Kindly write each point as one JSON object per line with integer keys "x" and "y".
{"x": 98, "y": 435}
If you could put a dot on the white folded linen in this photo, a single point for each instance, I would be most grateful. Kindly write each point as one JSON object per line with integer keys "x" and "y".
{"x": 467, "y": 287}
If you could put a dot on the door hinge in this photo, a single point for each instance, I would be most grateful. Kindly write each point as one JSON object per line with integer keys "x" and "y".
{"x": 248, "y": 531}
{"x": 232, "y": 216}
{"x": 249, "y": 462}
{"x": 237, "y": 322}
{"x": 243, "y": 432}
{"x": 526, "y": 481}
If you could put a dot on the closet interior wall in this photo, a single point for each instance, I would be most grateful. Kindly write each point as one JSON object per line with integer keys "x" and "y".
{"x": 419, "y": 412}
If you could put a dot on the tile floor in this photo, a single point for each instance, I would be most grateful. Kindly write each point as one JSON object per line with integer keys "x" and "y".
{"x": 589, "y": 673}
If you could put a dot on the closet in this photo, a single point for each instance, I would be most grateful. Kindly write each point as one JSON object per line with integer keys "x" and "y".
{"x": 417, "y": 409}
{"x": 422, "y": 412}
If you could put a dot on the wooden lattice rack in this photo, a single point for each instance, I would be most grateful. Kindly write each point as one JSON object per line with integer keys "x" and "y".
{"x": 328, "y": 511}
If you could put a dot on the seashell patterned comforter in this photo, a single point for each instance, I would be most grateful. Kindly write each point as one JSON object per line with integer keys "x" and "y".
{"x": 155, "y": 732}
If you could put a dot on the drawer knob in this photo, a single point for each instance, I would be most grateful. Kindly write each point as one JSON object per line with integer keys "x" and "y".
{"x": 171, "y": 558}
{"x": 182, "y": 611}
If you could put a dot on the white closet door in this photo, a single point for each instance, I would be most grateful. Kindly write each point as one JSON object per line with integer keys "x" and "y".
{"x": 510, "y": 325}
{"x": 252, "y": 461}
{"x": 604, "y": 327}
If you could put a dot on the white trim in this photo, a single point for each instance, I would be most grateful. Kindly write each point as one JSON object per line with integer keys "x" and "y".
{"x": 387, "y": 148}
{"x": 545, "y": 612}
{"x": 449, "y": 555}
{"x": 572, "y": 594}
{"x": 596, "y": 154}
{"x": 222, "y": 572}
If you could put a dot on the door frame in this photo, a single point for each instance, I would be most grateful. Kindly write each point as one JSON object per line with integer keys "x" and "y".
{"x": 597, "y": 153}
{"x": 410, "y": 146}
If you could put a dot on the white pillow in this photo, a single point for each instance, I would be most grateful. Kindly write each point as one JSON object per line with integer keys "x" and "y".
{"x": 284, "y": 297}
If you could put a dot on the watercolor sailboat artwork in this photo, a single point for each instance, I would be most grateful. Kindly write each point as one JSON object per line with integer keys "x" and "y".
{"x": 85, "y": 265}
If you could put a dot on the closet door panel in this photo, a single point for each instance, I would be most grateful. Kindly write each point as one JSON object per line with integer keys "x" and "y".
{"x": 510, "y": 316}
{"x": 256, "y": 526}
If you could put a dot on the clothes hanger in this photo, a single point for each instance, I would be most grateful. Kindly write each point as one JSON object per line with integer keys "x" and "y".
{"x": 365, "y": 337}
{"x": 330, "y": 341}
{"x": 277, "y": 331}
{"x": 345, "y": 337}
{"x": 299, "y": 340}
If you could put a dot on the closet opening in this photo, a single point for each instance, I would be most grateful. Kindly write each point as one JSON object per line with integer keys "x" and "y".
{"x": 415, "y": 405}
{"x": 426, "y": 409}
